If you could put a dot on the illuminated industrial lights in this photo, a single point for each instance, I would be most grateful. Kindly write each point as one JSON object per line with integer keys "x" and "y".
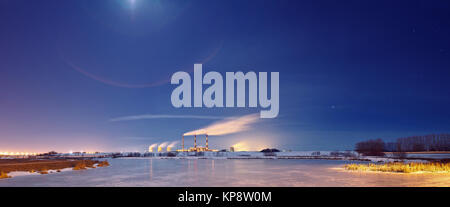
{"x": 18, "y": 153}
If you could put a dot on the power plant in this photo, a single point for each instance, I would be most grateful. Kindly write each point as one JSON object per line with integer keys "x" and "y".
{"x": 169, "y": 147}
{"x": 196, "y": 148}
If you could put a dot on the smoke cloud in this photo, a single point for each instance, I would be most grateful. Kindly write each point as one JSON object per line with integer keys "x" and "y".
{"x": 162, "y": 145}
{"x": 151, "y": 147}
{"x": 227, "y": 126}
{"x": 172, "y": 144}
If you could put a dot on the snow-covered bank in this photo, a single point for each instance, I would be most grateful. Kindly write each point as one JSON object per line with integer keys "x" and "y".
{"x": 26, "y": 173}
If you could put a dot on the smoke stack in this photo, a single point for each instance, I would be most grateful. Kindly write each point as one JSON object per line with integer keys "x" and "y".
{"x": 182, "y": 142}
{"x": 206, "y": 141}
{"x": 195, "y": 141}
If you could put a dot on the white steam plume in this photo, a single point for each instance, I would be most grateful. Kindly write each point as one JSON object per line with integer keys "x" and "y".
{"x": 151, "y": 147}
{"x": 172, "y": 144}
{"x": 227, "y": 126}
{"x": 162, "y": 145}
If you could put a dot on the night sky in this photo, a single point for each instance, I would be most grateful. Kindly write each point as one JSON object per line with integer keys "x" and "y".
{"x": 349, "y": 70}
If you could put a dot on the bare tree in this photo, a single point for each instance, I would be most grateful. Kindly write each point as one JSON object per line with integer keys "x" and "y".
{"x": 370, "y": 147}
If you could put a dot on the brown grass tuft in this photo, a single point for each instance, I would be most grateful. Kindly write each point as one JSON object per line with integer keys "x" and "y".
{"x": 400, "y": 167}
{"x": 103, "y": 164}
{"x": 80, "y": 166}
{"x": 4, "y": 175}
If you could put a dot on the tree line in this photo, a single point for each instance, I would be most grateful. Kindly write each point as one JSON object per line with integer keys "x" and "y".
{"x": 431, "y": 142}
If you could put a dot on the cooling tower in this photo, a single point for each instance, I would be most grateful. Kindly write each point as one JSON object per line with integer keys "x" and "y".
{"x": 151, "y": 147}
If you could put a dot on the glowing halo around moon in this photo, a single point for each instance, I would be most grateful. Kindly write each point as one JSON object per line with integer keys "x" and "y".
{"x": 133, "y": 4}
{"x": 128, "y": 85}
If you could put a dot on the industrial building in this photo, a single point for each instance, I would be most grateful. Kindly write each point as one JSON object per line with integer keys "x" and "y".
{"x": 196, "y": 148}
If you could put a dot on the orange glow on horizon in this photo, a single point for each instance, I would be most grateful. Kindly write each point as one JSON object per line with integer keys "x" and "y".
{"x": 249, "y": 146}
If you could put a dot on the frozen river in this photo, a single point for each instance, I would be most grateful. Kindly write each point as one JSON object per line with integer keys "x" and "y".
{"x": 225, "y": 172}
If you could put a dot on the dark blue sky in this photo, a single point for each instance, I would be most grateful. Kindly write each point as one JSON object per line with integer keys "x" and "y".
{"x": 349, "y": 70}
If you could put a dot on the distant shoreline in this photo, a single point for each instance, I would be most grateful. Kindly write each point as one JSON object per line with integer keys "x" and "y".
{"x": 355, "y": 159}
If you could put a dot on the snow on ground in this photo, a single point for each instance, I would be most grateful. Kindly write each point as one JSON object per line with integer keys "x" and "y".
{"x": 24, "y": 173}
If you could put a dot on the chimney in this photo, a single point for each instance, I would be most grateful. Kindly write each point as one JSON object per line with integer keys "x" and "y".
{"x": 195, "y": 141}
{"x": 182, "y": 142}
{"x": 206, "y": 141}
